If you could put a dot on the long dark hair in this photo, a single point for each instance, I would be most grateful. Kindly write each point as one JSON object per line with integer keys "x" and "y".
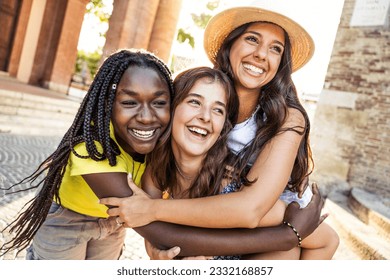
{"x": 91, "y": 123}
{"x": 276, "y": 98}
{"x": 162, "y": 161}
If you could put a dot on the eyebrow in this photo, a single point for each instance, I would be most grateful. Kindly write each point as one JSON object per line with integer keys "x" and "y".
{"x": 134, "y": 93}
{"x": 202, "y": 97}
{"x": 260, "y": 35}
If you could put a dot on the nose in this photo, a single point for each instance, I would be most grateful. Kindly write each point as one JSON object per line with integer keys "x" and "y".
{"x": 205, "y": 114}
{"x": 145, "y": 114}
{"x": 261, "y": 52}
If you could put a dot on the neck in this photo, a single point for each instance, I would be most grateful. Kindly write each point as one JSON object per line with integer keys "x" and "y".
{"x": 188, "y": 167}
{"x": 249, "y": 99}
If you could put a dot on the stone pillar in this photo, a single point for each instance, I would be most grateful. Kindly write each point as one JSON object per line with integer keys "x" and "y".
{"x": 45, "y": 44}
{"x": 20, "y": 34}
{"x": 66, "y": 54}
{"x": 351, "y": 128}
{"x": 130, "y": 25}
{"x": 48, "y": 42}
{"x": 164, "y": 28}
{"x": 30, "y": 40}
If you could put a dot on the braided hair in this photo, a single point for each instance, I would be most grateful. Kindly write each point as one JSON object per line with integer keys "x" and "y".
{"x": 91, "y": 124}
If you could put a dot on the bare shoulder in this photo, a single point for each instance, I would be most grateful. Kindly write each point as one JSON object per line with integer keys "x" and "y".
{"x": 295, "y": 118}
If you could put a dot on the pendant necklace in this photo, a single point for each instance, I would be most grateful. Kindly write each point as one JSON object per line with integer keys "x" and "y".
{"x": 251, "y": 116}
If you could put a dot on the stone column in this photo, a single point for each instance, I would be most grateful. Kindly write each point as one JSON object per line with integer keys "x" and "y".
{"x": 66, "y": 54}
{"x": 19, "y": 38}
{"x": 164, "y": 28}
{"x": 130, "y": 25}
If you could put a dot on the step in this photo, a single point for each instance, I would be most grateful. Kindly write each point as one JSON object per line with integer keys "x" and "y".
{"x": 35, "y": 113}
{"x": 22, "y": 129}
{"x": 29, "y": 114}
{"x": 28, "y": 99}
{"x": 372, "y": 209}
{"x": 14, "y": 101}
{"x": 363, "y": 239}
{"x": 61, "y": 107}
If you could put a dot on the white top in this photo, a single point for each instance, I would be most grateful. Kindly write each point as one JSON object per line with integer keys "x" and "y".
{"x": 241, "y": 135}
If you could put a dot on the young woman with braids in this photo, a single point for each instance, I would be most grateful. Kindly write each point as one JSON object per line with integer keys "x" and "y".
{"x": 126, "y": 110}
{"x": 259, "y": 50}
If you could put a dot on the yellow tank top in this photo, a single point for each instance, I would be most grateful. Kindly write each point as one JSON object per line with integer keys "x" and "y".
{"x": 75, "y": 193}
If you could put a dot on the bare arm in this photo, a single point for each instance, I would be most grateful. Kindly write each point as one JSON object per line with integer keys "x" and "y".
{"x": 240, "y": 209}
{"x": 203, "y": 241}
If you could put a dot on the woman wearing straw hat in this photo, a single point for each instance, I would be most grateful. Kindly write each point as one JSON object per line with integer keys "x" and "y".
{"x": 259, "y": 50}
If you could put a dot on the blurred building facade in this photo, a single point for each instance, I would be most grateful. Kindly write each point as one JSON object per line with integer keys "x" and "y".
{"x": 351, "y": 130}
{"x": 39, "y": 38}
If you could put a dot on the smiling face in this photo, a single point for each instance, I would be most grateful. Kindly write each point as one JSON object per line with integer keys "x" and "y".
{"x": 256, "y": 54}
{"x": 199, "y": 119}
{"x": 141, "y": 110}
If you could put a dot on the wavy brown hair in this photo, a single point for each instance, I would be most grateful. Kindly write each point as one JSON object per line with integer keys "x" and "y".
{"x": 275, "y": 99}
{"x": 162, "y": 161}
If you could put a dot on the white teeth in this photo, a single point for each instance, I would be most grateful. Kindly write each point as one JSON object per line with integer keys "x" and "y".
{"x": 198, "y": 130}
{"x": 143, "y": 133}
{"x": 253, "y": 68}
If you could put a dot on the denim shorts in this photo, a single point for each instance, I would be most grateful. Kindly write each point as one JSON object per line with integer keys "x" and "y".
{"x": 67, "y": 235}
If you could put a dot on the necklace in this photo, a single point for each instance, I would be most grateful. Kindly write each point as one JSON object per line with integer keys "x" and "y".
{"x": 246, "y": 121}
{"x": 136, "y": 173}
{"x": 183, "y": 175}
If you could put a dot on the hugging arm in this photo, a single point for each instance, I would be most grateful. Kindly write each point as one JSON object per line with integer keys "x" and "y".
{"x": 207, "y": 242}
{"x": 203, "y": 241}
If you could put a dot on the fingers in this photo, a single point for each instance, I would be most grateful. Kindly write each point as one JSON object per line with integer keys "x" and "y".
{"x": 294, "y": 204}
{"x": 323, "y": 217}
{"x": 113, "y": 212}
{"x": 198, "y": 258}
{"x": 131, "y": 183}
{"x": 112, "y": 201}
{"x": 302, "y": 188}
{"x": 317, "y": 198}
{"x": 172, "y": 253}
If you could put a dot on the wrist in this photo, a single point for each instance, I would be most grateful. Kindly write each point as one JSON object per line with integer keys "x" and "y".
{"x": 156, "y": 209}
{"x": 292, "y": 229}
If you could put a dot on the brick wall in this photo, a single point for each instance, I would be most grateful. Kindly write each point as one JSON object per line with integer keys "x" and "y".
{"x": 351, "y": 134}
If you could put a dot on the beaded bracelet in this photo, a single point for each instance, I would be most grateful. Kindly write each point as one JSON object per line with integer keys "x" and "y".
{"x": 295, "y": 231}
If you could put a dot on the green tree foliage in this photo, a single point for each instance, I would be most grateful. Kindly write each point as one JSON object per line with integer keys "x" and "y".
{"x": 96, "y": 7}
{"x": 92, "y": 60}
{"x": 183, "y": 36}
{"x": 200, "y": 21}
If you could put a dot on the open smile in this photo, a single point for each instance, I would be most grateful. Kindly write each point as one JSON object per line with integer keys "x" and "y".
{"x": 143, "y": 134}
{"x": 197, "y": 131}
{"x": 253, "y": 69}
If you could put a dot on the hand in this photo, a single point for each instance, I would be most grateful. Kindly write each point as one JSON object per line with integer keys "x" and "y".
{"x": 157, "y": 254}
{"x": 134, "y": 211}
{"x": 303, "y": 186}
{"x": 307, "y": 219}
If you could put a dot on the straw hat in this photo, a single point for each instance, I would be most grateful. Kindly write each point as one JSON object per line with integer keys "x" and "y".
{"x": 220, "y": 26}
